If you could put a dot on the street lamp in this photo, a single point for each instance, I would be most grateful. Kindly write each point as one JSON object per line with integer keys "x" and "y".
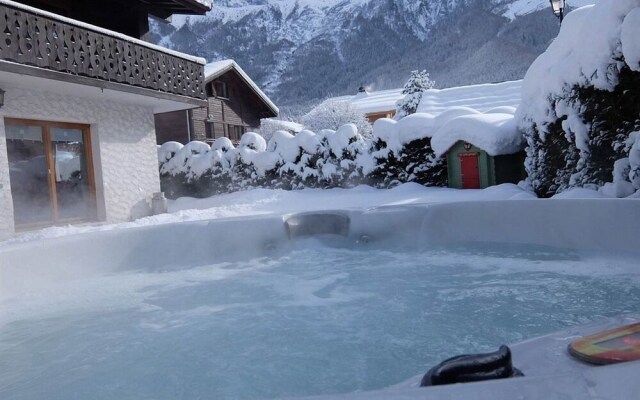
{"x": 558, "y": 8}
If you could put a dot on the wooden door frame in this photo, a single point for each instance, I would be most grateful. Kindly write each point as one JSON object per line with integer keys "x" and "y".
{"x": 88, "y": 153}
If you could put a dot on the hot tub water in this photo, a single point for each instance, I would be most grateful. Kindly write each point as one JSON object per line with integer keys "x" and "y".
{"x": 317, "y": 320}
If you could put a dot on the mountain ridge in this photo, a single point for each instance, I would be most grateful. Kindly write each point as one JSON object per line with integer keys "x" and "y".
{"x": 302, "y": 51}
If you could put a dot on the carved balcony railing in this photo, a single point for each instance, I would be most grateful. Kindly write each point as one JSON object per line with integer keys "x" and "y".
{"x": 51, "y": 44}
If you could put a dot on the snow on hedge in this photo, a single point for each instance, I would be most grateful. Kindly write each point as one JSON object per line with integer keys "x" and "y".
{"x": 581, "y": 102}
{"x": 411, "y": 149}
{"x": 585, "y": 53}
{"x": 630, "y": 39}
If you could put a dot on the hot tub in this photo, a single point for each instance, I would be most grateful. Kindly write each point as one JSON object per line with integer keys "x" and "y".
{"x": 342, "y": 303}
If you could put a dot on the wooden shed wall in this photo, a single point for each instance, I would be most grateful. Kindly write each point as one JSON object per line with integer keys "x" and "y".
{"x": 492, "y": 170}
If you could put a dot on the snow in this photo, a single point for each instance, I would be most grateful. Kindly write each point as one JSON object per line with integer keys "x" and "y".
{"x": 630, "y": 39}
{"x": 284, "y": 144}
{"x": 488, "y": 111}
{"x": 634, "y": 159}
{"x": 482, "y": 98}
{"x": 253, "y": 141}
{"x": 270, "y": 201}
{"x": 579, "y": 193}
{"x": 588, "y": 45}
{"x": 372, "y": 102}
{"x": 206, "y": 3}
{"x": 523, "y": 7}
{"x": 494, "y": 132}
{"x": 103, "y": 31}
{"x": 184, "y": 157}
{"x": 214, "y": 69}
{"x": 497, "y": 134}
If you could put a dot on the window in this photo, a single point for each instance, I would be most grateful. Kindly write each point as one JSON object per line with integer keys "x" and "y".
{"x": 234, "y": 132}
{"x": 209, "y": 130}
{"x": 50, "y": 172}
{"x": 220, "y": 89}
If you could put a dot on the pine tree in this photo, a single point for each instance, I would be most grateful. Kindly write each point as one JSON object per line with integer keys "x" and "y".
{"x": 418, "y": 82}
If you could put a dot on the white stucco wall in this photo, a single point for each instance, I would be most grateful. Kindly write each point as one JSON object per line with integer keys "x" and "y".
{"x": 124, "y": 150}
{"x": 6, "y": 202}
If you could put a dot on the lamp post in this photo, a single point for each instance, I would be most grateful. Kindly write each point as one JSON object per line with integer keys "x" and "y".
{"x": 558, "y": 8}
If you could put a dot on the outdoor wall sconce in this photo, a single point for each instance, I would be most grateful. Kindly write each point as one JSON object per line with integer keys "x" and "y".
{"x": 557, "y": 6}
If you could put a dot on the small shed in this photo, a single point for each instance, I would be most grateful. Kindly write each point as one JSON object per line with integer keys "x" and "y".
{"x": 482, "y": 149}
{"x": 470, "y": 167}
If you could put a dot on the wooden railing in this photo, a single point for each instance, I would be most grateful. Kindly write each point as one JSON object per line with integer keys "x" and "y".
{"x": 44, "y": 42}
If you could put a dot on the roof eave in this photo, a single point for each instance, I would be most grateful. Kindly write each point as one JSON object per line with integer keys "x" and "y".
{"x": 234, "y": 66}
{"x": 171, "y": 7}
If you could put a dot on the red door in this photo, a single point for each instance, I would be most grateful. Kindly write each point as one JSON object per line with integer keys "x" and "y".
{"x": 470, "y": 173}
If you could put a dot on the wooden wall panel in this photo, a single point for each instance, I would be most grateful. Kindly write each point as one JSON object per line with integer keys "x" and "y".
{"x": 171, "y": 126}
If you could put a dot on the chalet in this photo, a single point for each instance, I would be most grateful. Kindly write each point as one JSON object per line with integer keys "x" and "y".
{"x": 78, "y": 92}
{"x": 235, "y": 105}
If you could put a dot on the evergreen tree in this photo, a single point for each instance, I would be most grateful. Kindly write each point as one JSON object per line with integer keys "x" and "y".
{"x": 418, "y": 82}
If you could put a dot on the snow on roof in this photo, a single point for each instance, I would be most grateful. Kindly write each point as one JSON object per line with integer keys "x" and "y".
{"x": 103, "y": 31}
{"x": 482, "y": 115}
{"x": 217, "y": 68}
{"x": 206, "y": 3}
{"x": 481, "y": 98}
{"x": 373, "y": 102}
{"x": 495, "y": 133}
{"x": 289, "y": 125}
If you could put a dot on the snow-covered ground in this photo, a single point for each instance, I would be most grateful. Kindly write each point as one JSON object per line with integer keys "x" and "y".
{"x": 269, "y": 201}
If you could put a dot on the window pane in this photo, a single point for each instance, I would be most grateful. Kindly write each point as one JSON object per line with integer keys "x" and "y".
{"x": 29, "y": 174}
{"x": 71, "y": 175}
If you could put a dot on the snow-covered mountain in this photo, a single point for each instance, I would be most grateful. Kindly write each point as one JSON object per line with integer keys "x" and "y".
{"x": 304, "y": 50}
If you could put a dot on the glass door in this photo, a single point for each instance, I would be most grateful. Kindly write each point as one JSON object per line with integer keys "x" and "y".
{"x": 50, "y": 171}
{"x": 29, "y": 174}
{"x": 74, "y": 198}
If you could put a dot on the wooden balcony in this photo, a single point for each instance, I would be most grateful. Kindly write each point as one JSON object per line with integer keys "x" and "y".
{"x": 45, "y": 45}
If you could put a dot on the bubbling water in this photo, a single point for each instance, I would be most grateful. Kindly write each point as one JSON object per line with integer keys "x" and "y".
{"x": 317, "y": 320}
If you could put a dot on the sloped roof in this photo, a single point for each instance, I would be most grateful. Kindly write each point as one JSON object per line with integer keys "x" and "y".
{"x": 216, "y": 69}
